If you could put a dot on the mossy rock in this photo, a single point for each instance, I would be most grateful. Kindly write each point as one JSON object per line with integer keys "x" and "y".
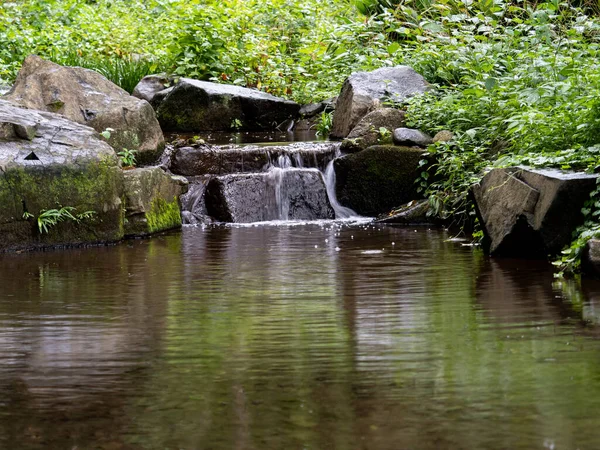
{"x": 152, "y": 201}
{"x": 32, "y": 190}
{"x": 56, "y": 163}
{"x": 377, "y": 179}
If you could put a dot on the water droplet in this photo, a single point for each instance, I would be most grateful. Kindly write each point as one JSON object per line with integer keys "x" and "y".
{"x": 316, "y": 246}
{"x": 337, "y": 249}
{"x": 393, "y": 243}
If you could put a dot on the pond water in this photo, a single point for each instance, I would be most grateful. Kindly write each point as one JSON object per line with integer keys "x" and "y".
{"x": 305, "y": 336}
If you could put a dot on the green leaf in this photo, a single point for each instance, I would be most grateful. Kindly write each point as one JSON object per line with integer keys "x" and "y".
{"x": 490, "y": 83}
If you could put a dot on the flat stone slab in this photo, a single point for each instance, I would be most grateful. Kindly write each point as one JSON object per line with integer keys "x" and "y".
{"x": 228, "y": 159}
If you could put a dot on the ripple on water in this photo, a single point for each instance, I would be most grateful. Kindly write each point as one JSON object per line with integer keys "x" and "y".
{"x": 247, "y": 336}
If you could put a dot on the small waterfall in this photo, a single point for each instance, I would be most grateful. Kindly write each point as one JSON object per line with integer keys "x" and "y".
{"x": 341, "y": 212}
{"x": 258, "y": 183}
{"x": 280, "y": 208}
{"x": 276, "y": 168}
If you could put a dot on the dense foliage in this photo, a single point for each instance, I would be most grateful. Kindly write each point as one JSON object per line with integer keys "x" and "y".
{"x": 516, "y": 82}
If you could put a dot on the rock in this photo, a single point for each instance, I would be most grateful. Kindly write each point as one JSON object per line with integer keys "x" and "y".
{"x": 203, "y": 106}
{"x": 151, "y": 85}
{"x": 414, "y": 212}
{"x": 193, "y": 205}
{"x": 368, "y": 130}
{"x": 48, "y": 162}
{"x": 590, "y": 259}
{"x": 363, "y": 92}
{"x": 530, "y": 212}
{"x": 4, "y": 88}
{"x": 206, "y": 159}
{"x": 88, "y": 98}
{"x": 330, "y": 104}
{"x": 409, "y": 137}
{"x": 311, "y": 110}
{"x": 296, "y": 194}
{"x": 152, "y": 201}
{"x": 443, "y": 136}
{"x": 377, "y": 179}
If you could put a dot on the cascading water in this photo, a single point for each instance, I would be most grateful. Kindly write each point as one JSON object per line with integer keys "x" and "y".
{"x": 341, "y": 212}
{"x": 258, "y": 183}
{"x": 276, "y": 170}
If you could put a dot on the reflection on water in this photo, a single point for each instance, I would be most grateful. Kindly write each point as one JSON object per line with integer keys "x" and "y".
{"x": 308, "y": 337}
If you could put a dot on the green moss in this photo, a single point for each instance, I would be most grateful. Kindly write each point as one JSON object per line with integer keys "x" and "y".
{"x": 163, "y": 215}
{"x": 93, "y": 187}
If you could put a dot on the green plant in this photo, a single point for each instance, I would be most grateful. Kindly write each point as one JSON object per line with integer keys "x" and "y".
{"x": 324, "y": 124}
{"x": 48, "y": 218}
{"x": 236, "y": 124}
{"x": 106, "y": 134}
{"x": 127, "y": 157}
{"x": 384, "y": 135}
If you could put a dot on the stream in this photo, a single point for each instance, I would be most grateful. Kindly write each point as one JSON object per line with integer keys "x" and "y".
{"x": 328, "y": 334}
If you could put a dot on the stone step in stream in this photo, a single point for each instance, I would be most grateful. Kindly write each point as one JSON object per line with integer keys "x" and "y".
{"x": 257, "y": 183}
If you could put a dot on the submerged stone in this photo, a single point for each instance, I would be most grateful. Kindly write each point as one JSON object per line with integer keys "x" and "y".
{"x": 292, "y": 194}
{"x": 377, "y": 179}
{"x": 194, "y": 105}
{"x": 530, "y": 212}
{"x": 86, "y": 97}
{"x": 414, "y": 212}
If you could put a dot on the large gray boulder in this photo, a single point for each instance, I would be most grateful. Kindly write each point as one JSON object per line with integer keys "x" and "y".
{"x": 368, "y": 131}
{"x": 152, "y": 201}
{"x": 295, "y": 194}
{"x": 48, "y": 162}
{"x": 377, "y": 179}
{"x": 530, "y": 212}
{"x": 86, "y": 97}
{"x": 194, "y": 105}
{"x": 363, "y": 92}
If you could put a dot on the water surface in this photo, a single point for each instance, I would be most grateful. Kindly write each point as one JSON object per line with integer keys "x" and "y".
{"x": 310, "y": 336}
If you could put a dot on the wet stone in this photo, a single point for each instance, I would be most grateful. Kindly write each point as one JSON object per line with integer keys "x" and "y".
{"x": 290, "y": 194}
{"x": 228, "y": 159}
